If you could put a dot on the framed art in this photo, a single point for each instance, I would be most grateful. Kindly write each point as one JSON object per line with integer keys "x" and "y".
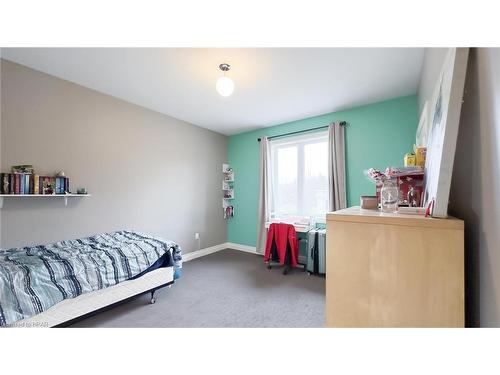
{"x": 444, "y": 119}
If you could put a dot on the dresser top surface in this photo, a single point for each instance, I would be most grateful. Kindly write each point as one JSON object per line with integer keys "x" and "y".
{"x": 359, "y": 215}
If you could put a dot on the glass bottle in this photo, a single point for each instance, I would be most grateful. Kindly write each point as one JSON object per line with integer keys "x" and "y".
{"x": 389, "y": 196}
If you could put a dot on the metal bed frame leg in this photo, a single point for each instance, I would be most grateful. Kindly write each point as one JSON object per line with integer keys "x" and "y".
{"x": 153, "y": 299}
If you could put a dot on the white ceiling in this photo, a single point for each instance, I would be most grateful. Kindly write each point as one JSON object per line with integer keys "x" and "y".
{"x": 272, "y": 85}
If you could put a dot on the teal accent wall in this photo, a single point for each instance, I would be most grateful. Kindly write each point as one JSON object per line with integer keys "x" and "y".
{"x": 378, "y": 135}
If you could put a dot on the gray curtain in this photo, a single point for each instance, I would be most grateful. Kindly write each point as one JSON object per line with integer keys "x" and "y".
{"x": 336, "y": 167}
{"x": 263, "y": 212}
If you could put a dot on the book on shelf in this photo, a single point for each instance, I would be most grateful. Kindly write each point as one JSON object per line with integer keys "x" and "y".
{"x": 21, "y": 184}
{"x": 36, "y": 184}
{"x": 27, "y": 183}
{"x": 61, "y": 185}
{"x": 5, "y": 183}
{"x": 17, "y": 184}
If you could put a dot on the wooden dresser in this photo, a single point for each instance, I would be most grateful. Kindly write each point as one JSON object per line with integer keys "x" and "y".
{"x": 393, "y": 270}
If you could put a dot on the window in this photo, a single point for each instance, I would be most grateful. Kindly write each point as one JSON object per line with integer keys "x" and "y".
{"x": 299, "y": 177}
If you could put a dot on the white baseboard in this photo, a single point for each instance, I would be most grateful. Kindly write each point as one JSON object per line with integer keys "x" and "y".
{"x": 202, "y": 252}
{"x": 245, "y": 248}
{"x": 213, "y": 249}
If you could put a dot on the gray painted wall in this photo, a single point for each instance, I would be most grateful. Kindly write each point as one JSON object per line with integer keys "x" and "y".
{"x": 433, "y": 61}
{"x": 0, "y": 134}
{"x": 145, "y": 171}
{"x": 475, "y": 186}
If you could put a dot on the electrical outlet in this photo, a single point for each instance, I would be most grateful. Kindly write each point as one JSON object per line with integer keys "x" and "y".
{"x": 196, "y": 236}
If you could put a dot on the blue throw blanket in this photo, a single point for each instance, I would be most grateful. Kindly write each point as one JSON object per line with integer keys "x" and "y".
{"x": 32, "y": 279}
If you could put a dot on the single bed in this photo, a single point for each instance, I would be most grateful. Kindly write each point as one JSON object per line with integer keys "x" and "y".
{"x": 57, "y": 284}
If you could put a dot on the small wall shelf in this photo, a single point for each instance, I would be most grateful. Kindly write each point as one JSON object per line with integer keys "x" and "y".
{"x": 227, "y": 191}
{"x": 64, "y": 196}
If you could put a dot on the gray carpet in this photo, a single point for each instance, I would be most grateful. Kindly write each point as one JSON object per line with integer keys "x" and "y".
{"x": 225, "y": 289}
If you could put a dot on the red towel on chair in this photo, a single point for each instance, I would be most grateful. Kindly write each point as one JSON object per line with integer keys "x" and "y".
{"x": 282, "y": 235}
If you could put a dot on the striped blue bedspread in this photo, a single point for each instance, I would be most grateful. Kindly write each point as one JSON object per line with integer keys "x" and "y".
{"x": 32, "y": 279}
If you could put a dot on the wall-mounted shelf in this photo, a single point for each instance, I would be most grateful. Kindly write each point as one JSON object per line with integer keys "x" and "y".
{"x": 43, "y": 196}
{"x": 228, "y": 191}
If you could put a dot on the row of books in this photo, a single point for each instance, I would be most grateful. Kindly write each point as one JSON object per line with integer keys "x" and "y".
{"x": 25, "y": 183}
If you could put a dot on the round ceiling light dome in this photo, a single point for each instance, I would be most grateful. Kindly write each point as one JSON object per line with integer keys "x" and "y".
{"x": 224, "y": 85}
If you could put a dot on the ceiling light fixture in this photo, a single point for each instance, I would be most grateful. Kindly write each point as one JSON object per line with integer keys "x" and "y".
{"x": 224, "y": 85}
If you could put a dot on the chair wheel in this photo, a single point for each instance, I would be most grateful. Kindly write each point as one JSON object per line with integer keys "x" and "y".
{"x": 153, "y": 300}
{"x": 309, "y": 273}
{"x": 269, "y": 267}
{"x": 285, "y": 272}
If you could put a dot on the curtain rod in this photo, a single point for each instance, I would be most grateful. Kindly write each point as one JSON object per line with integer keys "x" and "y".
{"x": 343, "y": 123}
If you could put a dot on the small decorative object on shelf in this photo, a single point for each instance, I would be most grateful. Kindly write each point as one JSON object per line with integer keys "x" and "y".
{"x": 48, "y": 189}
{"x": 228, "y": 173}
{"x": 227, "y": 191}
{"x": 409, "y": 160}
{"x": 412, "y": 197}
{"x": 23, "y": 169}
{"x": 420, "y": 155}
{"x": 389, "y": 195}
{"x": 81, "y": 191}
{"x": 369, "y": 202}
{"x": 228, "y": 212}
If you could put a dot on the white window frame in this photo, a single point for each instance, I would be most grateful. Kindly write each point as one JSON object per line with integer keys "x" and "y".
{"x": 300, "y": 141}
